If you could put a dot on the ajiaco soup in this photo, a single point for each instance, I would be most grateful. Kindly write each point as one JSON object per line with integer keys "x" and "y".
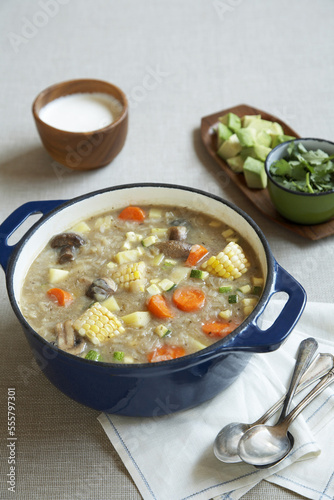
{"x": 141, "y": 284}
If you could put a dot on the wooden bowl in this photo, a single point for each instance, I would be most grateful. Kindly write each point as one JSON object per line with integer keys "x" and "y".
{"x": 82, "y": 150}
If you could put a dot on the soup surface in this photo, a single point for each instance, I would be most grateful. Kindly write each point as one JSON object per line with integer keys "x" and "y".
{"x": 142, "y": 284}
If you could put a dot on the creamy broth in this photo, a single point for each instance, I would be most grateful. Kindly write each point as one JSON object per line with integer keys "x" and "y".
{"x": 166, "y": 242}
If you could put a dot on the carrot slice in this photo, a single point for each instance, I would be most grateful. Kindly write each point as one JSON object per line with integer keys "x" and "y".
{"x": 158, "y": 306}
{"x": 197, "y": 253}
{"x": 189, "y": 299}
{"x": 165, "y": 353}
{"x": 132, "y": 213}
{"x": 219, "y": 328}
{"x": 60, "y": 296}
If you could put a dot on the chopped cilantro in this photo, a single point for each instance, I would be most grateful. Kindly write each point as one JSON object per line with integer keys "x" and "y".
{"x": 304, "y": 171}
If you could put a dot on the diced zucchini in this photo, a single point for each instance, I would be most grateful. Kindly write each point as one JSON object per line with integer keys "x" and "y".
{"x": 103, "y": 223}
{"x": 249, "y": 302}
{"x": 127, "y": 245}
{"x": 198, "y": 274}
{"x": 225, "y": 289}
{"x": 153, "y": 289}
{"x": 111, "y": 304}
{"x": 232, "y": 239}
{"x": 257, "y": 290}
{"x": 128, "y": 255}
{"x": 166, "y": 285}
{"x": 257, "y": 281}
{"x": 157, "y": 260}
{"x": 81, "y": 227}
{"x": 162, "y": 331}
{"x": 227, "y": 233}
{"x": 57, "y": 275}
{"x": 169, "y": 262}
{"x": 149, "y": 240}
{"x": 93, "y": 355}
{"x": 155, "y": 213}
{"x": 215, "y": 223}
{"x": 137, "y": 319}
{"x": 179, "y": 274}
{"x": 159, "y": 231}
{"x": 245, "y": 289}
{"x": 119, "y": 355}
{"x": 131, "y": 236}
{"x": 128, "y": 359}
{"x": 196, "y": 344}
{"x": 226, "y": 314}
{"x": 248, "y": 310}
{"x": 233, "y": 299}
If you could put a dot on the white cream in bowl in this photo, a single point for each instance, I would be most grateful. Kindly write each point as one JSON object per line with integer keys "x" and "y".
{"x": 81, "y": 112}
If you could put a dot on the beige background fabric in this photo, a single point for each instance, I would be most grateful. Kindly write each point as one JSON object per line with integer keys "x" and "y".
{"x": 177, "y": 60}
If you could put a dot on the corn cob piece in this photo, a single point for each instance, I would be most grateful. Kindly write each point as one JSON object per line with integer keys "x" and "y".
{"x": 98, "y": 324}
{"x": 230, "y": 264}
{"x": 127, "y": 273}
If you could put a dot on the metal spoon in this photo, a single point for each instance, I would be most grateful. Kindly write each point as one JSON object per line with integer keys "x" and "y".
{"x": 226, "y": 443}
{"x": 227, "y": 440}
{"x": 264, "y": 445}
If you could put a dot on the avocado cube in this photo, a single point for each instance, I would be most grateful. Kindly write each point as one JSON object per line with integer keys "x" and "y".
{"x": 230, "y": 147}
{"x": 272, "y": 128}
{"x": 263, "y": 139}
{"x": 231, "y": 120}
{"x": 258, "y": 124}
{"x": 261, "y": 152}
{"x": 223, "y": 133}
{"x": 255, "y": 174}
{"x": 234, "y": 122}
{"x": 248, "y": 119}
{"x": 236, "y": 163}
{"x": 247, "y": 136}
{"x": 278, "y": 139}
{"x": 276, "y": 129}
{"x": 258, "y": 152}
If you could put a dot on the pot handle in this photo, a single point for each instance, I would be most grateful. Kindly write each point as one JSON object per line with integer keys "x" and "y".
{"x": 253, "y": 339}
{"x": 14, "y": 221}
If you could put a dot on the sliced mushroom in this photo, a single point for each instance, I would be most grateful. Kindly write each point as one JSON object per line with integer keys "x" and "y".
{"x": 67, "y": 340}
{"x": 68, "y": 244}
{"x": 101, "y": 289}
{"x": 67, "y": 239}
{"x": 174, "y": 249}
{"x": 177, "y": 233}
{"x": 66, "y": 254}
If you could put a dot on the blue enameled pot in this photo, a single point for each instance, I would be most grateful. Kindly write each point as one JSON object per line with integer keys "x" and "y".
{"x": 157, "y": 388}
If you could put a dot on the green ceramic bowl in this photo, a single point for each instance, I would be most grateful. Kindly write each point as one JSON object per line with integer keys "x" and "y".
{"x": 303, "y": 208}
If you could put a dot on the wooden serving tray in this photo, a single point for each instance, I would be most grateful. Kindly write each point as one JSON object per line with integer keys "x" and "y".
{"x": 259, "y": 197}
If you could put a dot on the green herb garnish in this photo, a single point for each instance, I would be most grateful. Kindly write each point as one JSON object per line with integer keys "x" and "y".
{"x": 304, "y": 171}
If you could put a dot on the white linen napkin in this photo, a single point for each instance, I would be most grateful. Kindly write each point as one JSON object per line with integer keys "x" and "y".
{"x": 171, "y": 457}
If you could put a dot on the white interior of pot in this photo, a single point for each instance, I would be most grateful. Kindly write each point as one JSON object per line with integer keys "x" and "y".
{"x": 141, "y": 195}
